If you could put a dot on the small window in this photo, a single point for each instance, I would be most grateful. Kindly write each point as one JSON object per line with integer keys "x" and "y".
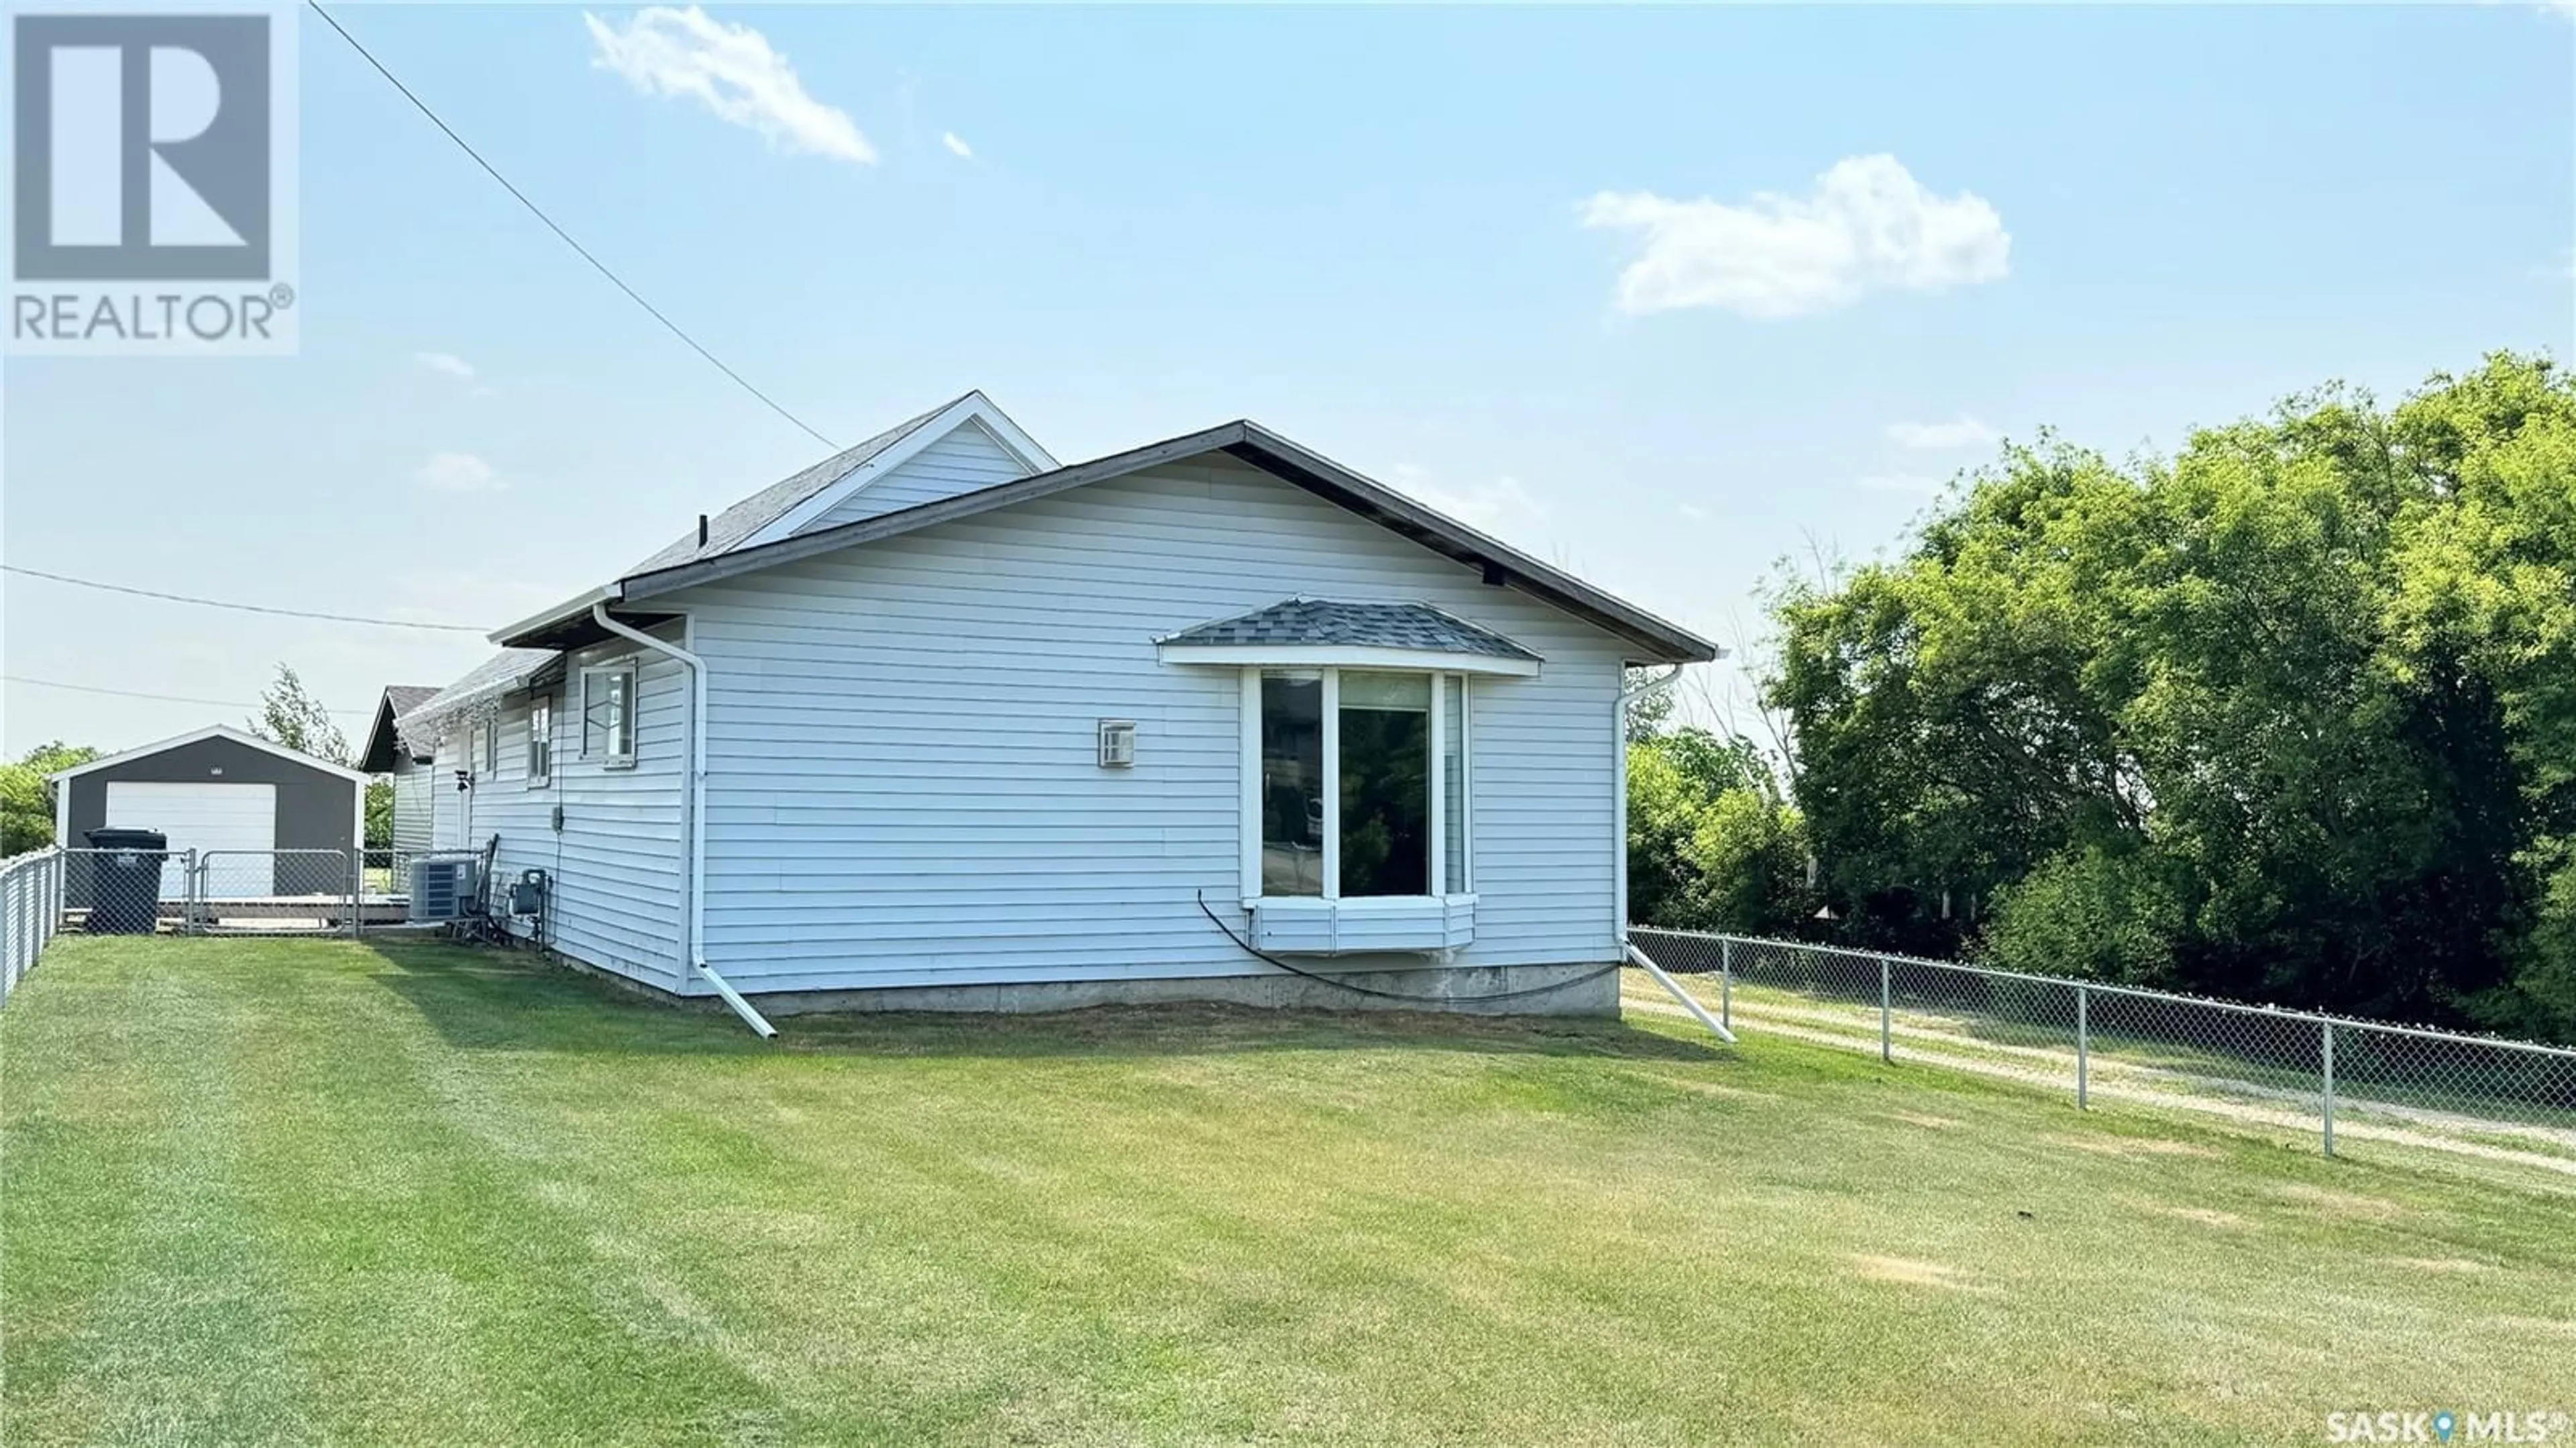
{"x": 1117, "y": 743}
{"x": 541, "y": 740}
{"x": 492, "y": 748}
{"x": 608, "y": 714}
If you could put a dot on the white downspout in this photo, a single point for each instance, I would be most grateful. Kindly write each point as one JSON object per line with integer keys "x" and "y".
{"x": 1619, "y": 742}
{"x": 1635, "y": 956}
{"x": 694, "y": 948}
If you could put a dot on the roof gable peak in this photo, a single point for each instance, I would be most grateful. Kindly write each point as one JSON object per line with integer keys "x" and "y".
{"x": 973, "y": 410}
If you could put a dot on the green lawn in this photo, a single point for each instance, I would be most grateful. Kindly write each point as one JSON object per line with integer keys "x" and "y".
{"x": 307, "y": 1191}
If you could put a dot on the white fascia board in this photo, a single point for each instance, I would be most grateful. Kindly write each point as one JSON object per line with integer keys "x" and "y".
{"x": 1347, "y": 656}
{"x": 972, "y": 410}
{"x": 575, "y": 607}
{"x": 211, "y": 731}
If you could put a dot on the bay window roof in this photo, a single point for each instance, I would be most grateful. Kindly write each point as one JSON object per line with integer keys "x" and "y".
{"x": 1323, "y": 631}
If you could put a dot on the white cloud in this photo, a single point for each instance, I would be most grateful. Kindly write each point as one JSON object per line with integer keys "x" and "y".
{"x": 458, "y": 472}
{"x": 733, "y": 71}
{"x": 1901, "y": 483}
{"x": 957, "y": 144}
{"x": 447, "y": 362}
{"x": 1868, "y": 226}
{"x": 1502, "y": 507}
{"x": 1693, "y": 512}
{"x": 1963, "y": 431}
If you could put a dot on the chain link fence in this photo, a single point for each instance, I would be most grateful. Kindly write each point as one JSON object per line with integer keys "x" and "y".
{"x": 31, "y": 910}
{"x": 2341, "y": 1080}
{"x": 274, "y": 892}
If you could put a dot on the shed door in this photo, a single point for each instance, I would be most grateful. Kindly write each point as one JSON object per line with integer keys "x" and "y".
{"x": 204, "y": 817}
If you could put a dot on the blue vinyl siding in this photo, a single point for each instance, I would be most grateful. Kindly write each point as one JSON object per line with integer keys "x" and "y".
{"x": 616, "y": 865}
{"x": 966, "y": 459}
{"x": 902, "y": 782}
{"x": 414, "y": 803}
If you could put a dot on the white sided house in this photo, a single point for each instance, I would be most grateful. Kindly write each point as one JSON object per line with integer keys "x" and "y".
{"x": 941, "y": 724}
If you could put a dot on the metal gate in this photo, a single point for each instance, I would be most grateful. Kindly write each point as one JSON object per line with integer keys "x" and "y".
{"x": 273, "y": 892}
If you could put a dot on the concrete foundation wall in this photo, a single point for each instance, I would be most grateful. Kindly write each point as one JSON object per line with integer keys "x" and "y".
{"x": 1587, "y": 990}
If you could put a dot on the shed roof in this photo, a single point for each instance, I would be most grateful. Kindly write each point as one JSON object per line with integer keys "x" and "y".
{"x": 212, "y": 731}
{"x": 1317, "y": 621}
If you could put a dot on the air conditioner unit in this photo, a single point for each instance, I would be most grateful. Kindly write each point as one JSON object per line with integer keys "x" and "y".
{"x": 443, "y": 889}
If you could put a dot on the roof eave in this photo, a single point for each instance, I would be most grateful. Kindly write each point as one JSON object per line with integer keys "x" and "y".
{"x": 1661, "y": 641}
{"x": 1349, "y": 656}
{"x": 521, "y": 635}
{"x": 1273, "y": 453}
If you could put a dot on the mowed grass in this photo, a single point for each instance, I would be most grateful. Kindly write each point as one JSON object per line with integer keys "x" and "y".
{"x": 306, "y": 1192}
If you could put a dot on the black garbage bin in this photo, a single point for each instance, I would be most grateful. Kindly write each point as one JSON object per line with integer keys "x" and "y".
{"x": 125, "y": 880}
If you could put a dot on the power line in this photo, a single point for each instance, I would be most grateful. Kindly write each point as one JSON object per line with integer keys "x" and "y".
{"x": 584, "y": 252}
{"x": 238, "y": 607}
{"x": 160, "y": 698}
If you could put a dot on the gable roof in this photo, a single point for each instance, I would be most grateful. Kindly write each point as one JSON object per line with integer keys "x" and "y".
{"x": 796, "y": 500}
{"x": 1316, "y": 622}
{"x": 383, "y": 739}
{"x": 1245, "y": 441}
{"x": 212, "y": 731}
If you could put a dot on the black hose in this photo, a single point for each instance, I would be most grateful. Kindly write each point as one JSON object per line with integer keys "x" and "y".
{"x": 1259, "y": 954}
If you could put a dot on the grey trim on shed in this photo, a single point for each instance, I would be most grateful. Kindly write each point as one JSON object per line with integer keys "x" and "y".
{"x": 317, "y": 806}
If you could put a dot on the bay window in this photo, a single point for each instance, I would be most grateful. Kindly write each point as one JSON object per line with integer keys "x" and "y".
{"x": 1360, "y": 784}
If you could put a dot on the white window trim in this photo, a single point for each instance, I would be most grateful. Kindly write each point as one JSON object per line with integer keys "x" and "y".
{"x": 1249, "y": 712}
{"x": 530, "y": 778}
{"x": 634, "y": 691}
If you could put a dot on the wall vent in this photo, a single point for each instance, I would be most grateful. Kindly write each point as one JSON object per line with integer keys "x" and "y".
{"x": 1117, "y": 743}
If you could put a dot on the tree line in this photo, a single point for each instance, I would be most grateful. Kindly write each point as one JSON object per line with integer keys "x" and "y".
{"x": 2289, "y": 716}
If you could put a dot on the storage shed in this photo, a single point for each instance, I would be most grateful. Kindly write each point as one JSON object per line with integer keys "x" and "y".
{"x": 226, "y": 790}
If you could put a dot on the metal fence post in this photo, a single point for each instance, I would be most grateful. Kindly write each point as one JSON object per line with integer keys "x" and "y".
{"x": 2328, "y": 1058}
{"x": 1886, "y": 999}
{"x": 1726, "y": 984}
{"x": 2083, "y": 1045}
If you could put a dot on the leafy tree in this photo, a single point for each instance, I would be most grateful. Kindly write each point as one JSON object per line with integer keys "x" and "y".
{"x": 380, "y": 814}
{"x": 1647, "y": 713}
{"x": 27, "y": 798}
{"x": 1711, "y": 842}
{"x": 292, "y": 716}
{"x": 2291, "y": 714}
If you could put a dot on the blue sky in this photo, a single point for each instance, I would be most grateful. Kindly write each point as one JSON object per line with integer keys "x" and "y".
{"x": 1518, "y": 261}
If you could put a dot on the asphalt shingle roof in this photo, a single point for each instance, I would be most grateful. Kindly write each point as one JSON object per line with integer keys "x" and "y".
{"x": 729, "y": 529}
{"x": 407, "y": 697}
{"x": 421, "y": 725}
{"x": 1356, "y": 625}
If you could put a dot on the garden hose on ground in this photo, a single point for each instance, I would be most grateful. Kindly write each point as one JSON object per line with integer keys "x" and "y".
{"x": 1259, "y": 954}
